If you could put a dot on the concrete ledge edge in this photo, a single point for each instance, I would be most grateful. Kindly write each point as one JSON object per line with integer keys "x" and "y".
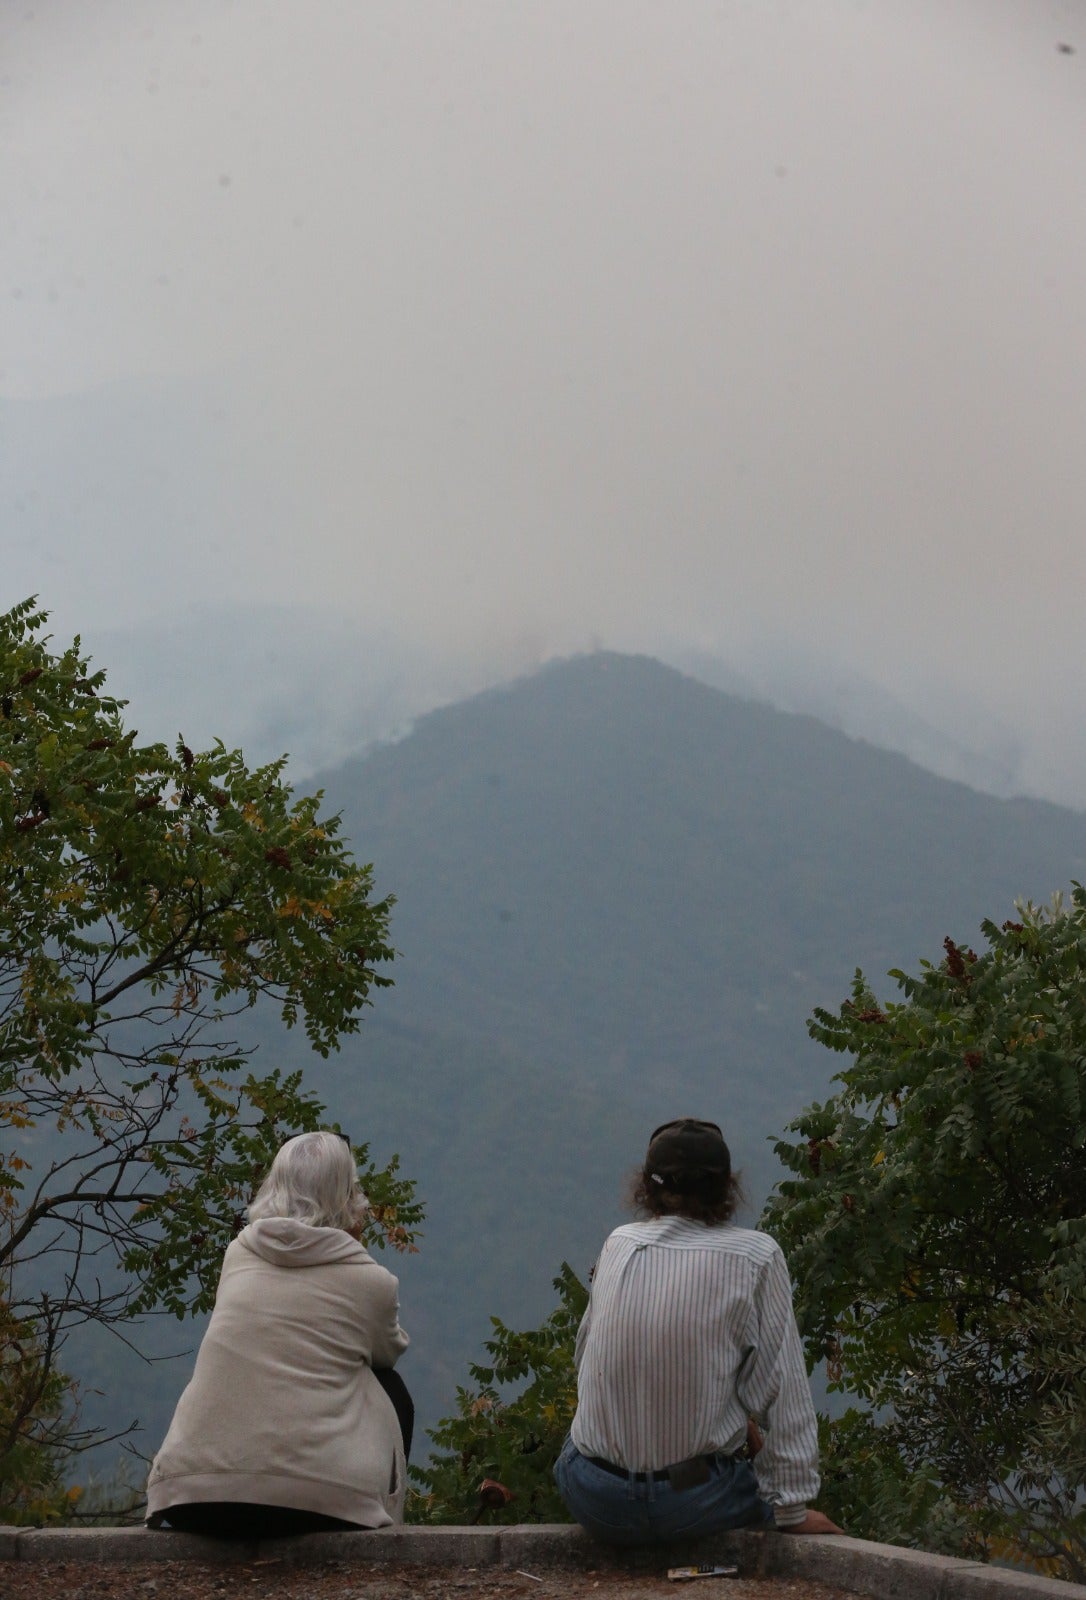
{"x": 887, "y": 1572}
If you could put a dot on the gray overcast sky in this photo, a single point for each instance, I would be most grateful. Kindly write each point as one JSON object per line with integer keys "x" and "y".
{"x": 506, "y": 328}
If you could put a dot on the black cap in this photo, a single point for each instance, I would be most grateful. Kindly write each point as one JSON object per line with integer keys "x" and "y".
{"x": 685, "y": 1146}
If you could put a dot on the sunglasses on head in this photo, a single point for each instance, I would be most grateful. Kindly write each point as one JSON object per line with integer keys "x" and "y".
{"x": 344, "y": 1136}
{"x": 684, "y": 1122}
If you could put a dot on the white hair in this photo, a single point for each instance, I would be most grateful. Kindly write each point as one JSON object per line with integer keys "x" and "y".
{"x": 313, "y": 1179}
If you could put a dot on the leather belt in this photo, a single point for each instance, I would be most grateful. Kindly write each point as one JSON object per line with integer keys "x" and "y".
{"x": 663, "y": 1475}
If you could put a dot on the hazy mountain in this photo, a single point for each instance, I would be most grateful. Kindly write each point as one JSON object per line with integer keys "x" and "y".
{"x": 619, "y": 894}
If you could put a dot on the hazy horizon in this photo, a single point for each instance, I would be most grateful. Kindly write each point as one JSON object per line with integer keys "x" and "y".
{"x": 295, "y": 682}
{"x": 465, "y": 336}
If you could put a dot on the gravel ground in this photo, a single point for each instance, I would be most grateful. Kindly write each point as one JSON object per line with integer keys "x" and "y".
{"x": 278, "y": 1580}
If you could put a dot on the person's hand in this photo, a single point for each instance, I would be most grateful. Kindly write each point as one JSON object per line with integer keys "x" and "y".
{"x": 813, "y": 1522}
{"x": 754, "y": 1439}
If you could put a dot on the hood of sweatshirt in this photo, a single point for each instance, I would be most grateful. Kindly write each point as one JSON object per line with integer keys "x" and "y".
{"x": 285, "y": 1242}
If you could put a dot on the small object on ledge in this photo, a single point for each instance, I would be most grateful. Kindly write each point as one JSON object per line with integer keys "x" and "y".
{"x": 686, "y": 1574}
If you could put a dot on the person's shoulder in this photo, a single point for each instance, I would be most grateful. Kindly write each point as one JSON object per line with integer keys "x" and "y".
{"x": 721, "y": 1237}
{"x": 629, "y": 1230}
{"x": 625, "y": 1240}
{"x": 376, "y": 1271}
{"x": 752, "y": 1243}
{"x": 682, "y": 1233}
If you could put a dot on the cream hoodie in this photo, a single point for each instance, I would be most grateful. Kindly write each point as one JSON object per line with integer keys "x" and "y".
{"x": 283, "y": 1408}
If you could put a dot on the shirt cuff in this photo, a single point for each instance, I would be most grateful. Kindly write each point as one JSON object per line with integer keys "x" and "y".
{"x": 789, "y": 1516}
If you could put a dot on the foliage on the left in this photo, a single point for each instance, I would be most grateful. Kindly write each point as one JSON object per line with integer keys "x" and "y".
{"x": 149, "y": 897}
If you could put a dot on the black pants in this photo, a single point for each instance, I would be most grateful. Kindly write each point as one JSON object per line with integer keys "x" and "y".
{"x": 402, "y": 1403}
{"x": 239, "y": 1519}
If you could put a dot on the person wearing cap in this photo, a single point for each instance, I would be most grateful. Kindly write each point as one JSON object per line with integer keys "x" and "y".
{"x": 694, "y": 1413}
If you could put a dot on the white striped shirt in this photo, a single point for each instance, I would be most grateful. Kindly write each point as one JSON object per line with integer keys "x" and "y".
{"x": 690, "y": 1330}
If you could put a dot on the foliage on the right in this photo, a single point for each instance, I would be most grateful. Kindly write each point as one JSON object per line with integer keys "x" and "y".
{"x": 935, "y": 1225}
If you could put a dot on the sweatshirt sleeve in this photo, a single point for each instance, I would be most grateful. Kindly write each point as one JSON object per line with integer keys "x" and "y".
{"x": 389, "y": 1339}
{"x": 774, "y": 1388}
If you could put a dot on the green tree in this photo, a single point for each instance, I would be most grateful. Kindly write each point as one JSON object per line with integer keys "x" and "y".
{"x": 37, "y": 1405}
{"x": 935, "y": 1224}
{"x": 149, "y": 898}
{"x": 512, "y": 1438}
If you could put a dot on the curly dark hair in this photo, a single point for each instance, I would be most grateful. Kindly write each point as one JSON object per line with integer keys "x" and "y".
{"x": 711, "y": 1197}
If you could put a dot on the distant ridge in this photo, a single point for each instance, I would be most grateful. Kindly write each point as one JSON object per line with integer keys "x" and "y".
{"x": 816, "y": 685}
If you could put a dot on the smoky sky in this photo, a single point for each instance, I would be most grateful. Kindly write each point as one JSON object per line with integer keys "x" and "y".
{"x": 507, "y": 329}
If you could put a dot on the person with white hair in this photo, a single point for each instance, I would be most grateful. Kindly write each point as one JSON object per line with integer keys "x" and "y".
{"x": 293, "y": 1421}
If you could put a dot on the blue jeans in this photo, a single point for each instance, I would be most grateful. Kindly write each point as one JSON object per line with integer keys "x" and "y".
{"x": 622, "y": 1511}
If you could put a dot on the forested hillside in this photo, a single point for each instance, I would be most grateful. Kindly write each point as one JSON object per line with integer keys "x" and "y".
{"x": 619, "y": 895}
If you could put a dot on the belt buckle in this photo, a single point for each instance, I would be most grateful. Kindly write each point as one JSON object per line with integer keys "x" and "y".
{"x": 689, "y": 1474}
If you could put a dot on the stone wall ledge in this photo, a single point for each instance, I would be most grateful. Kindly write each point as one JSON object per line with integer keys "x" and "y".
{"x": 881, "y": 1571}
